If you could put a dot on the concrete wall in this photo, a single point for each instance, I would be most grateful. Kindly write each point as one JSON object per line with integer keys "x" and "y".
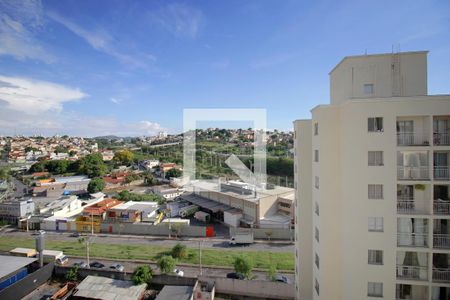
{"x": 252, "y": 288}
{"x": 277, "y": 233}
{"x": 148, "y": 229}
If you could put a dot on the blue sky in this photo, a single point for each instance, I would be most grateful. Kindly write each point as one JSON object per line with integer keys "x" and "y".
{"x": 130, "y": 67}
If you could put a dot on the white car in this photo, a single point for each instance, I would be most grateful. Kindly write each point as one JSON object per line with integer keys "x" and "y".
{"x": 178, "y": 272}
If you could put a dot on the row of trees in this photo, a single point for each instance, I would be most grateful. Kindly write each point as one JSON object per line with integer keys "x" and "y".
{"x": 126, "y": 195}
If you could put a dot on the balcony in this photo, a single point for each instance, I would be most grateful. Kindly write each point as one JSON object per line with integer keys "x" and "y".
{"x": 441, "y": 207}
{"x": 412, "y": 139}
{"x": 441, "y": 274}
{"x": 413, "y": 199}
{"x": 412, "y": 239}
{"x": 441, "y": 203}
{"x": 413, "y": 173}
{"x": 411, "y": 292}
{"x": 441, "y": 241}
{"x": 441, "y": 138}
{"x": 441, "y": 173}
{"x": 412, "y": 272}
{"x": 440, "y": 293}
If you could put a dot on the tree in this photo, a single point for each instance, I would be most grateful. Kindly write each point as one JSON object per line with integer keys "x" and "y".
{"x": 96, "y": 185}
{"x": 173, "y": 173}
{"x": 142, "y": 274}
{"x": 272, "y": 272}
{"x": 166, "y": 264}
{"x": 269, "y": 234}
{"x": 72, "y": 275}
{"x": 38, "y": 167}
{"x": 179, "y": 251}
{"x": 92, "y": 165}
{"x": 244, "y": 266}
{"x": 124, "y": 157}
{"x": 4, "y": 174}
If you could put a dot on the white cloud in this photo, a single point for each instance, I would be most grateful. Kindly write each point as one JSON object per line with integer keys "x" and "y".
{"x": 34, "y": 96}
{"x": 19, "y": 22}
{"x": 102, "y": 41}
{"x": 115, "y": 100}
{"x": 179, "y": 19}
{"x": 150, "y": 127}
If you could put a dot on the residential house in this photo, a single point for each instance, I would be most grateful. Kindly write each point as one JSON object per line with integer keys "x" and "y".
{"x": 132, "y": 211}
{"x": 92, "y": 216}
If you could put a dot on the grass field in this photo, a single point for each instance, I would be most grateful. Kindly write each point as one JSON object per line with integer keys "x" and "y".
{"x": 260, "y": 259}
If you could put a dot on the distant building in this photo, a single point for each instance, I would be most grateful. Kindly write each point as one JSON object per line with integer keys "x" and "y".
{"x": 14, "y": 210}
{"x": 176, "y": 292}
{"x": 131, "y": 212}
{"x": 166, "y": 192}
{"x": 13, "y": 269}
{"x": 93, "y": 215}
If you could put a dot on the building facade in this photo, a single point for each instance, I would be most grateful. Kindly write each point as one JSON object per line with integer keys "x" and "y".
{"x": 372, "y": 179}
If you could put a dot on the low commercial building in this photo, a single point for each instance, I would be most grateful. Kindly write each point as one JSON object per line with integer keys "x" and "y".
{"x": 132, "y": 211}
{"x": 168, "y": 193}
{"x": 103, "y": 288}
{"x": 66, "y": 206}
{"x": 68, "y": 185}
{"x": 13, "y": 269}
{"x": 14, "y": 210}
{"x": 92, "y": 216}
{"x": 237, "y": 204}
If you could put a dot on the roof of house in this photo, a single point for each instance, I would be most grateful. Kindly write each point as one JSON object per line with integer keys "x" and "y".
{"x": 100, "y": 207}
{"x": 11, "y": 264}
{"x": 174, "y": 292}
{"x": 95, "y": 287}
{"x": 137, "y": 206}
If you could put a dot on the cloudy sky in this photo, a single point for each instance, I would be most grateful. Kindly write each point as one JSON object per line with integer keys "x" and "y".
{"x": 130, "y": 67}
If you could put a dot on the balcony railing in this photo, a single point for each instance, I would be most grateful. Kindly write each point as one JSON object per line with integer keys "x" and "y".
{"x": 441, "y": 274}
{"x": 412, "y": 272}
{"x": 441, "y": 241}
{"x": 412, "y": 239}
{"x": 441, "y": 207}
{"x": 406, "y": 206}
{"x": 412, "y": 139}
{"x": 441, "y": 172}
{"x": 441, "y": 138}
{"x": 413, "y": 173}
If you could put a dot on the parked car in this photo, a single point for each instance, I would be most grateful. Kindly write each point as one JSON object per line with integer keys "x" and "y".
{"x": 117, "y": 267}
{"x": 236, "y": 276}
{"x": 282, "y": 278}
{"x": 80, "y": 264}
{"x": 74, "y": 234}
{"x": 97, "y": 265}
{"x": 62, "y": 260}
{"x": 38, "y": 232}
{"x": 178, "y": 272}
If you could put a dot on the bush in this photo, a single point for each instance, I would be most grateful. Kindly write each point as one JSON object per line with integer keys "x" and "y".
{"x": 272, "y": 272}
{"x": 142, "y": 274}
{"x": 244, "y": 266}
{"x": 96, "y": 185}
{"x": 179, "y": 251}
{"x": 72, "y": 275}
{"x": 166, "y": 264}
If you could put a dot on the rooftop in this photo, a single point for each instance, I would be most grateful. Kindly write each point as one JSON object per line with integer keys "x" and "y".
{"x": 11, "y": 264}
{"x": 173, "y": 292}
{"x": 94, "y": 287}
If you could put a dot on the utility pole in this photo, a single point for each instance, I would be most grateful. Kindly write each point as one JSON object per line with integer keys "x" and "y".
{"x": 200, "y": 255}
{"x": 92, "y": 223}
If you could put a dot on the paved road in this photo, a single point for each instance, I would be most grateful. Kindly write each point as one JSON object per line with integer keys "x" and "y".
{"x": 189, "y": 271}
{"x": 161, "y": 241}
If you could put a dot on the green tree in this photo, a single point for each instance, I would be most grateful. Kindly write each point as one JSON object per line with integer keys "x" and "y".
{"x": 96, "y": 185}
{"x": 166, "y": 264}
{"x": 4, "y": 173}
{"x": 92, "y": 165}
{"x": 272, "y": 272}
{"x": 179, "y": 251}
{"x": 60, "y": 149}
{"x": 173, "y": 173}
{"x": 38, "y": 167}
{"x": 244, "y": 266}
{"x": 72, "y": 275}
{"x": 124, "y": 157}
{"x": 142, "y": 274}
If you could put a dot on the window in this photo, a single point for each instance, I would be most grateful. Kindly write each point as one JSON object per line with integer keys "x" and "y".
{"x": 317, "y": 260}
{"x": 375, "y": 224}
{"x": 316, "y": 155}
{"x": 375, "y": 257}
{"x": 316, "y": 234}
{"x": 316, "y": 182}
{"x": 316, "y": 208}
{"x": 368, "y": 89}
{"x": 375, "y": 158}
{"x": 375, "y": 124}
{"x": 375, "y": 289}
{"x": 316, "y": 128}
{"x": 375, "y": 191}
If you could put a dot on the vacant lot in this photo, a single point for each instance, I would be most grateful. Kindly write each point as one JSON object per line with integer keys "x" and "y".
{"x": 261, "y": 259}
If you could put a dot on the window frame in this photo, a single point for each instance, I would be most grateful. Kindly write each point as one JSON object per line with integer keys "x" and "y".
{"x": 375, "y": 124}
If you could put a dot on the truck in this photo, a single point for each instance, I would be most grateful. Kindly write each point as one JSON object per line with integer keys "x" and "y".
{"x": 202, "y": 216}
{"x": 242, "y": 238}
{"x": 188, "y": 211}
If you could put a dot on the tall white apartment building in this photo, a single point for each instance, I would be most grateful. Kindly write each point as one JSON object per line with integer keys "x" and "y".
{"x": 372, "y": 185}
